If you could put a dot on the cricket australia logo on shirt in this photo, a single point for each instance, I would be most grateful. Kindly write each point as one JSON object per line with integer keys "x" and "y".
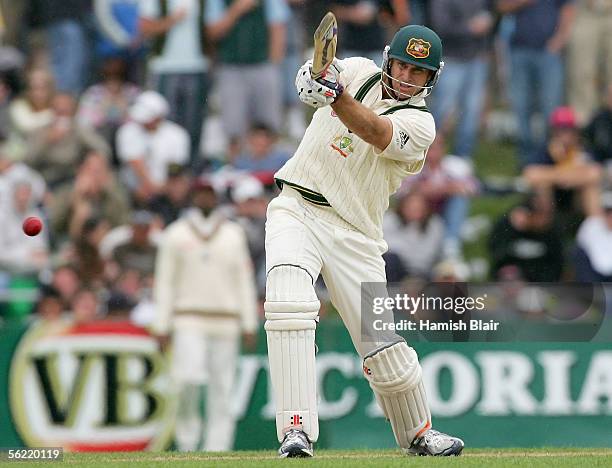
{"x": 343, "y": 145}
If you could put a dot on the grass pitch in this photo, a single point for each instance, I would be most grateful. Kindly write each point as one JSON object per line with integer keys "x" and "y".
{"x": 532, "y": 458}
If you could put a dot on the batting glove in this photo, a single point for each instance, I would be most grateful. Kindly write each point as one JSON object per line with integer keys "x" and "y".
{"x": 321, "y": 92}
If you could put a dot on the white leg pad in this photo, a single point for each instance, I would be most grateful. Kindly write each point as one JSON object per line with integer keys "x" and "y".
{"x": 291, "y": 310}
{"x": 395, "y": 376}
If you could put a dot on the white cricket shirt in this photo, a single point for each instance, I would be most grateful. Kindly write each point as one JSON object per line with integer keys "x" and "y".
{"x": 353, "y": 176}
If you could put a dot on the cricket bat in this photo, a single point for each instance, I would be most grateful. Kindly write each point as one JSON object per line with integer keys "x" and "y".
{"x": 325, "y": 41}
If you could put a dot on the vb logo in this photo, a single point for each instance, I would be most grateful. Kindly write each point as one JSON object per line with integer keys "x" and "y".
{"x": 99, "y": 386}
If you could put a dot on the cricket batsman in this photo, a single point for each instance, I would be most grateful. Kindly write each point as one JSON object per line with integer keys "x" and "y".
{"x": 371, "y": 129}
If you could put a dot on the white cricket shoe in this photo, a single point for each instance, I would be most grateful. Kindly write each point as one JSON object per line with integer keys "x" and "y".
{"x": 295, "y": 444}
{"x": 436, "y": 444}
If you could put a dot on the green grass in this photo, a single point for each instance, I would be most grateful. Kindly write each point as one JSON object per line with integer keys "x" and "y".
{"x": 495, "y": 158}
{"x": 532, "y": 458}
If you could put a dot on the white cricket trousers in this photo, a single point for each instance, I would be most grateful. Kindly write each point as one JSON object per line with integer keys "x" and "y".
{"x": 319, "y": 241}
{"x": 201, "y": 360}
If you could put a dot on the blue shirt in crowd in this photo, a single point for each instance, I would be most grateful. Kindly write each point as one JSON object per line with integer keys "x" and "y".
{"x": 536, "y": 23}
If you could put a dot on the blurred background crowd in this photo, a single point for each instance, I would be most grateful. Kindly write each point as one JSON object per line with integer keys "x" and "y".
{"x": 115, "y": 113}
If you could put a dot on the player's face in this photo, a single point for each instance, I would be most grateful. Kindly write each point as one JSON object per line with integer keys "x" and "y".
{"x": 205, "y": 200}
{"x": 410, "y": 76}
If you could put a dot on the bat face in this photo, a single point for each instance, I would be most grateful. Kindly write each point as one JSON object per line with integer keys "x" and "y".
{"x": 325, "y": 41}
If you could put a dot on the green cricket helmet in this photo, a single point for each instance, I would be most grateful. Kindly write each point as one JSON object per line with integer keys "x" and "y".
{"x": 417, "y": 45}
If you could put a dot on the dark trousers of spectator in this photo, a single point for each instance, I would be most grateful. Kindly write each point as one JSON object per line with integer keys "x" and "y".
{"x": 186, "y": 94}
{"x": 585, "y": 271}
{"x": 536, "y": 85}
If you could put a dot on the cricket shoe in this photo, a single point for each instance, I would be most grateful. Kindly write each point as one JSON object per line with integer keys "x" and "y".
{"x": 436, "y": 444}
{"x": 295, "y": 444}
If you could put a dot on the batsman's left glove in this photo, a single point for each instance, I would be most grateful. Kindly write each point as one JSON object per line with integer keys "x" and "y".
{"x": 323, "y": 91}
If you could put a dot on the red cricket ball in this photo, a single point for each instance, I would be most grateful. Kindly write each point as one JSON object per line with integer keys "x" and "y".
{"x": 32, "y": 226}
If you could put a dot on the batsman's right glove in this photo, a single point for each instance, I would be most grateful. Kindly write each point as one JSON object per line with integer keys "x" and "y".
{"x": 321, "y": 92}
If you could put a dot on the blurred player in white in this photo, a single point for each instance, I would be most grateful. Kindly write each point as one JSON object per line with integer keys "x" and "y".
{"x": 371, "y": 130}
{"x": 205, "y": 298}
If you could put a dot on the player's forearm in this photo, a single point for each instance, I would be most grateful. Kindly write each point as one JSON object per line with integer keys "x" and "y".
{"x": 363, "y": 122}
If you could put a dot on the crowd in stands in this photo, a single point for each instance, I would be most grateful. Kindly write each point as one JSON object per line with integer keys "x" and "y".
{"x": 111, "y": 111}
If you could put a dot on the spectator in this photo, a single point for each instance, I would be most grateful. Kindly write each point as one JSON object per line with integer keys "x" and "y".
{"x": 138, "y": 253}
{"x": 179, "y": 67}
{"x": 250, "y": 37}
{"x": 20, "y": 254}
{"x": 447, "y": 182}
{"x": 33, "y": 111}
{"x": 589, "y": 67}
{"x": 55, "y": 150}
{"x": 119, "y": 33}
{"x": 64, "y": 21}
{"x": 598, "y": 134}
{"x": 361, "y": 32}
{"x": 205, "y": 295}
{"x": 49, "y": 307}
{"x": 148, "y": 144}
{"x": 541, "y": 31}
{"x": 528, "y": 237}
{"x": 564, "y": 165}
{"x": 13, "y": 173}
{"x": 66, "y": 282}
{"x": 95, "y": 193}
{"x": 85, "y": 306}
{"x": 129, "y": 282}
{"x": 169, "y": 204}
{"x": 593, "y": 256}
{"x": 465, "y": 29}
{"x": 85, "y": 255}
{"x": 394, "y": 15}
{"x": 104, "y": 106}
{"x": 412, "y": 224}
{"x": 119, "y": 306}
{"x": 261, "y": 154}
